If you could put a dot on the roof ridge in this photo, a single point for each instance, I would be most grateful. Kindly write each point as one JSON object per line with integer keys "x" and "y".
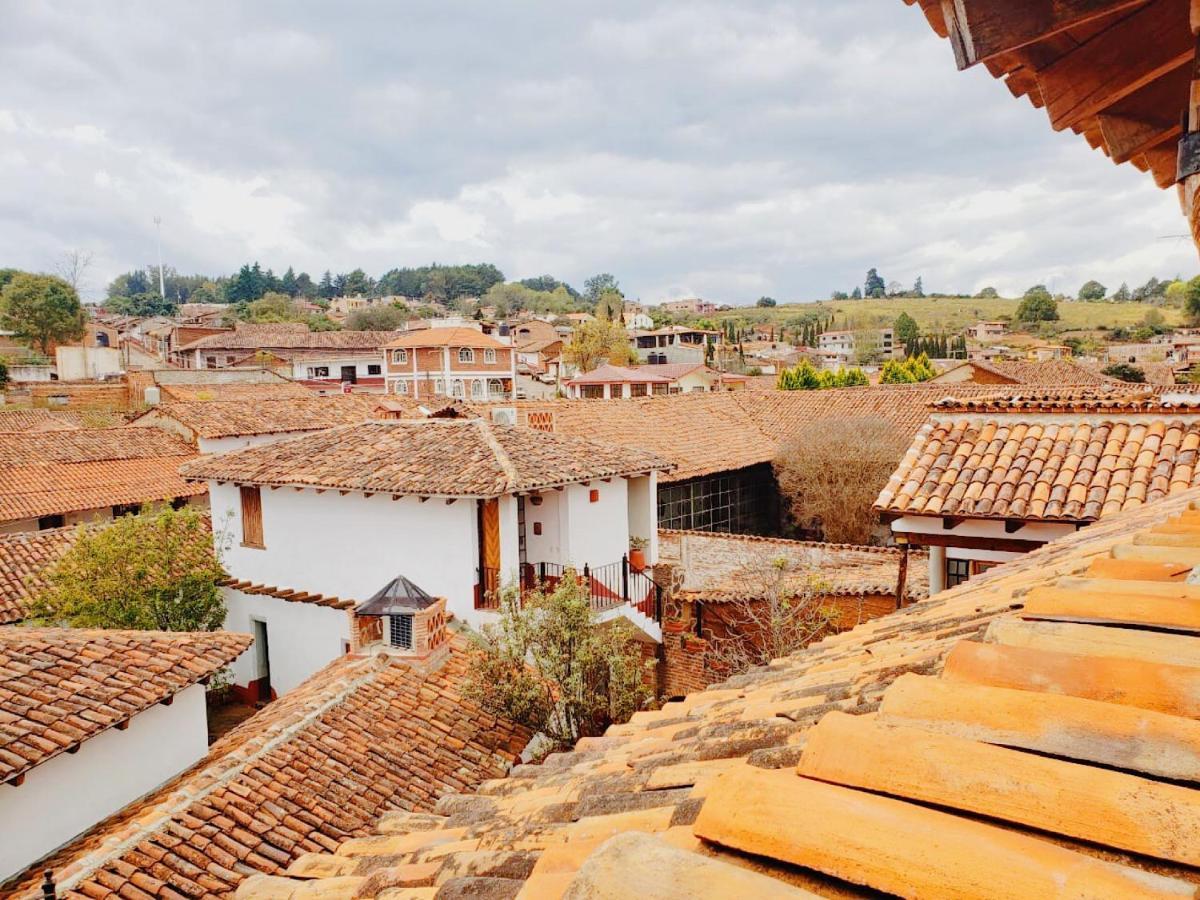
{"x": 506, "y": 464}
{"x": 179, "y": 801}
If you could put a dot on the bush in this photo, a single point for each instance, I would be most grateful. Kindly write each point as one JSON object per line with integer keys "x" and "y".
{"x": 804, "y": 376}
{"x": 912, "y": 370}
{"x": 1125, "y": 372}
{"x": 549, "y": 665}
{"x": 832, "y": 471}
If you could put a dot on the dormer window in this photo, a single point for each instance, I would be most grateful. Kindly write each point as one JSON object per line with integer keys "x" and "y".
{"x": 399, "y": 357}
{"x": 466, "y": 355}
{"x": 489, "y": 356}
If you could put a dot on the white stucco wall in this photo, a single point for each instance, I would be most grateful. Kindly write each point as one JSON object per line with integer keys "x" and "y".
{"x": 510, "y": 541}
{"x": 597, "y": 533}
{"x": 549, "y": 545}
{"x": 351, "y": 546}
{"x": 643, "y": 512}
{"x": 73, "y": 791}
{"x": 301, "y": 637}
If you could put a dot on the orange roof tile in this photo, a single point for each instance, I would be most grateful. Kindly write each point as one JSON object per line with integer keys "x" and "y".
{"x": 224, "y": 418}
{"x": 288, "y": 336}
{"x": 236, "y": 390}
{"x": 442, "y": 457}
{"x": 1046, "y": 467}
{"x": 61, "y": 686}
{"x": 24, "y": 559}
{"x": 445, "y": 337}
{"x": 1060, "y": 758}
{"x": 61, "y": 472}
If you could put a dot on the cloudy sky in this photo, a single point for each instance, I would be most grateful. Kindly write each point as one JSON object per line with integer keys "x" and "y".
{"x": 726, "y": 150}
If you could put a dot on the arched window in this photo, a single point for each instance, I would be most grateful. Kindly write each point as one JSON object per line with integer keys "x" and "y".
{"x": 476, "y": 389}
{"x": 466, "y": 355}
{"x": 101, "y": 338}
{"x": 401, "y": 387}
{"x": 399, "y": 357}
{"x": 456, "y": 388}
{"x": 489, "y": 355}
{"x": 495, "y": 387}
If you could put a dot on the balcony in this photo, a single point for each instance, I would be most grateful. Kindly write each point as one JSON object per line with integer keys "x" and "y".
{"x": 611, "y": 587}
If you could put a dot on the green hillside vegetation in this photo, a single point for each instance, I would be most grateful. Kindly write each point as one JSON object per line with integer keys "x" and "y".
{"x": 950, "y": 314}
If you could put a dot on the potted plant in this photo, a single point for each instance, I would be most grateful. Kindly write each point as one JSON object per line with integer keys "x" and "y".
{"x": 637, "y": 553}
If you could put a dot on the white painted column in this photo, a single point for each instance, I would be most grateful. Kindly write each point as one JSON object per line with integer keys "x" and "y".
{"x": 937, "y": 570}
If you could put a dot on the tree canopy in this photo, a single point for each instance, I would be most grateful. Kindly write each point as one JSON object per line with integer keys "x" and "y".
{"x": 875, "y": 286}
{"x": 907, "y": 330}
{"x": 597, "y": 342}
{"x": 380, "y": 317}
{"x": 804, "y": 376}
{"x": 598, "y": 285}
{"x": 1092, "y": 290}
{"x": 1037, "y": 306}
{"x": 156, "y": 570}
{"x": 42, "y": 310}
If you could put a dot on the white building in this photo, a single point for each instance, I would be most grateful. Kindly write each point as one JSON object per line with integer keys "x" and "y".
{"x": 79, "y": 745}
{"x": 842, "y": 348}
{"x": 462, "y": 508}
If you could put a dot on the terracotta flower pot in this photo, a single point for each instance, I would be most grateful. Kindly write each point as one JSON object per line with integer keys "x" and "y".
{"x": 637, "y": 559}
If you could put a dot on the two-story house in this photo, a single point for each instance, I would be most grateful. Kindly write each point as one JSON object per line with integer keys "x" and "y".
{"x": 450, "y": 362}
{"x": 319, "y": 524}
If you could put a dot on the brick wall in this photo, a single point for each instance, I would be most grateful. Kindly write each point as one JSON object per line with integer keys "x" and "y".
{"x": 49, "y": 394}
{"x": 683, "y": 669}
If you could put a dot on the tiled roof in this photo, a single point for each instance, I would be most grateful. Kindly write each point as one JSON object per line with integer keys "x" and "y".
{"x": 715, "y": 567}
{"x": 63, "y": 471}
{"x": 703, "y": 433}
{"x": 288, "y": 336}
{"x": 24, "y": 559}
{"x": 1137, "y": 399}
{"x": 436, "y": 457}
{"x": 1067, "y": 467}
{"x": 365, "y": 737}
{"x": 446, "y": 337}
{"x": 223, "y": 418}
{"x": 270, "y": 390}
{"x": 609, "y": 374}
{"x": 1008, "y": 737}
{"x": 26, "y": 420}
{"x": 1051, "y": 373}
{"x": 61, "y": 686}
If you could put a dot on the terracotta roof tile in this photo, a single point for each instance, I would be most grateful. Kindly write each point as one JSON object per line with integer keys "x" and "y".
{"x": 719, "y": 567}
{"x": 1045, "y": 464}
{"x": 269, "y": 390}
{"x": 444, "y": 337}
{"x": 27, "y": 420}
{"x": 224, "y": 418}
{"x": 1052, "y": 373}
{"x": 367, "y": 736}
{"x": 444, "y": 457}
{"x": 60, "y": 472}
{"x": 60, "y": 687}
{"x": 1070, "y": 770}
{"x": 24, "y": 559}
{"x": 289, "y": 336}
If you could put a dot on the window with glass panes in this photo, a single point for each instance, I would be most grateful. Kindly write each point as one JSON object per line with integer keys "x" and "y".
{"x": 400, "y": 631}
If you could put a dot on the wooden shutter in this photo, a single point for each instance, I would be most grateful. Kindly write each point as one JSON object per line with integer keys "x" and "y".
{"x": 490, "y": 533}
{"x": 252, "y": 529}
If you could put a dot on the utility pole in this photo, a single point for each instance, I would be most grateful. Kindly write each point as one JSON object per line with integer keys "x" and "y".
{"x": 162, "y": 290}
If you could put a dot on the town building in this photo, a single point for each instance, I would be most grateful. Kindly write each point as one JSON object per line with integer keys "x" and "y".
{"x": 845, "y": 348}
{"x": 459, "y": 362}
{"x": 611, "y": 382}
{"x": 218, "y": 426}
{"x": 94, "y": 720}
{"x": 674, "y": 344}
{"x": 462, "y": 508}
{"x": 52, "y": 479}
{"x": 987, "y": 480}
{"x": 988, "y": 332}
{"x": 692, "y": 305}
{"x": 542, "y": 359}
{"x": 1004, "y": 721}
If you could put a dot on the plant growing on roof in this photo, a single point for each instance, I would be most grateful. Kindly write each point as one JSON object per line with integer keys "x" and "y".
{"x": 157, "y": 570}
{"x": 549, "y": 665}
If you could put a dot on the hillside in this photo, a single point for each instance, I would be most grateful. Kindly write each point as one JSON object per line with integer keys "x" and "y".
{"x": 955, "y": 313}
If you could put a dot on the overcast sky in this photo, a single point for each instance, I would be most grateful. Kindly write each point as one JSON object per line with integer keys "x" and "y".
{"x": 725, "y": 150}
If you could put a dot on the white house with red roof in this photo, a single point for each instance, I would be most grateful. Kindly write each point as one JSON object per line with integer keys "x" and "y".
{"x": 615, "y": 382}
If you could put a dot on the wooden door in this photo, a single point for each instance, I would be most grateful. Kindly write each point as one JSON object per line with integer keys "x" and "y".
{"x": 489, "y": 534}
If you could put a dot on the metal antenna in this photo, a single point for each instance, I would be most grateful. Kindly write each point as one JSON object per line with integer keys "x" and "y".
{"x": 162, "y": 290}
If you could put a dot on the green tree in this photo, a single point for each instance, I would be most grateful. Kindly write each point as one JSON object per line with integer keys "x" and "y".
{"x": 988, "y": 293}
{"x": 325, "y": 288}
{"x": 610, "y": 306}
{"x": 600, "y": 284}
{"x": 548, "y": 664}
{"x": 1191, "y": 304}
{"x": 598, "y": 342}
{"x": 804, "y": 376}
{"x": 156, "y": 570}
{"x": 1125, "y": 372}
{"x": 377, "y": 318}
{"x": 1037, "y": 306}
{"x": 1121, "y": 294}
{"x": 766, "y": 302}
{"x": 856, "y": 294}
{"x": 918, "y": 288}
{"x": 907, "y": 330}
{"x": 42, "y": 310}
{"x": 875, "y": 285}
{"x": 1093, "y": 290}
{"x": 912, "y": 370}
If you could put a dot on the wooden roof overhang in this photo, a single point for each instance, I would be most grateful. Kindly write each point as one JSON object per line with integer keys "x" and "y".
{"x": 1120, "y": 73}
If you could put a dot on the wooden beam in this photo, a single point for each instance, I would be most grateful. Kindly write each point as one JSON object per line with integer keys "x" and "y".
{"x": 1118, "y": 61}
{"x": 981, "y": 29}
{"x": 1013, "y": 525}
{"x": 949, "y": 523}
{"x": 1163, "y": 160}
{"x": 1006, "y": 545}
{"x": 1146, "y": 117}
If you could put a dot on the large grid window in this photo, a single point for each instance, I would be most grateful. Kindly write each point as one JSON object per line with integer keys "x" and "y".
{"x": 957, "y": 571}
{"x": 400, "y": 631}
{"x": 741, "y": 501}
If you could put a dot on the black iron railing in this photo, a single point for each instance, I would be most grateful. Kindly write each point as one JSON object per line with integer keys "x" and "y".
{"x": 487, "y": 588}
{"x": 609, "y": 586}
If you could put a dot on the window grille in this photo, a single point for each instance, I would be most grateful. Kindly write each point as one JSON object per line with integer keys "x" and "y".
{"x": 400, "y": 631}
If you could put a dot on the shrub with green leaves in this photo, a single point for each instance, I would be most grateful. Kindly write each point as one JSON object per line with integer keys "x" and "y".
{"x": 804, "y": 376}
